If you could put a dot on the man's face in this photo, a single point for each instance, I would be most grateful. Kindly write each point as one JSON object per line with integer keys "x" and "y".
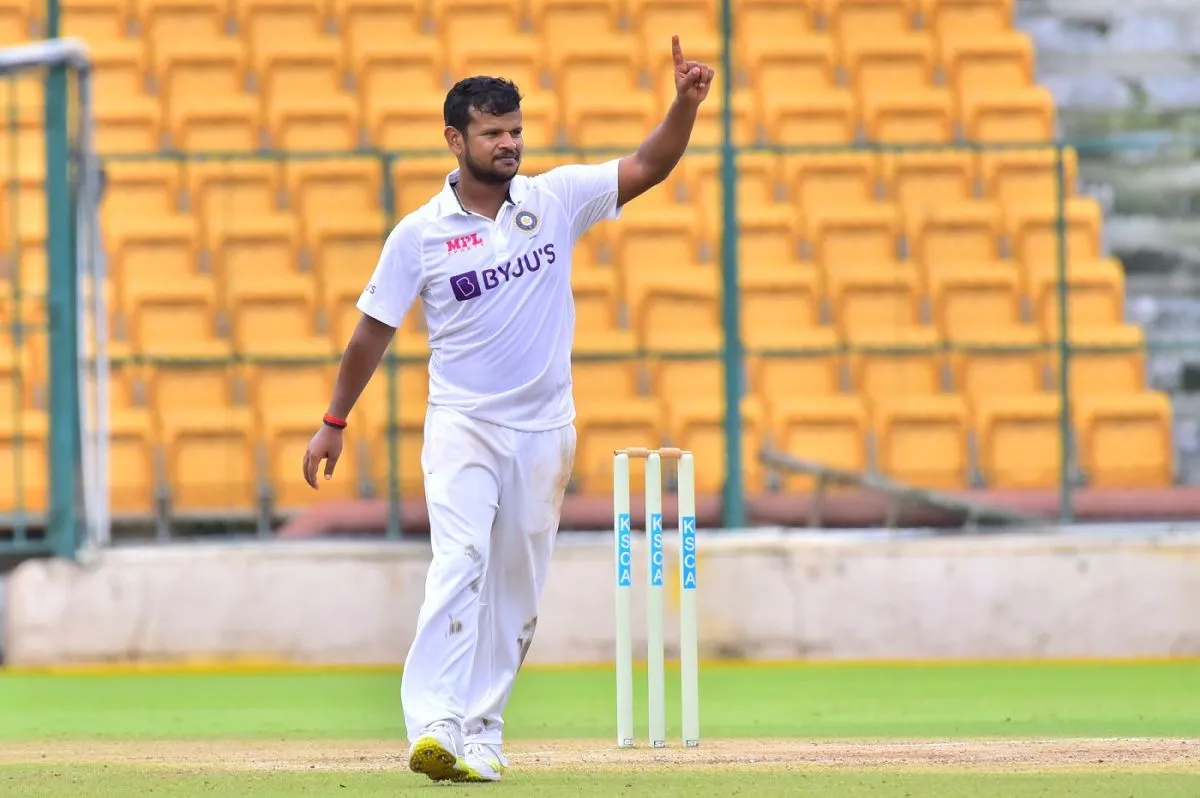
{"x": 491, "y": 150}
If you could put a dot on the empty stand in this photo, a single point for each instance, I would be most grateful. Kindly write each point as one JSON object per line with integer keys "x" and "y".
{"x": 831, "y": 179}
{"x": 886, "y": 64}
{"x": 1095, "y": 294}
{"x": 914, "y": 115}
{"x": 830, "y": 430}
{"x": 1125, "y": 440}
{"x": 1025, "y": 115}
{"x": 812, "y": 367}
{"x": 967, "y": 299}
{"x": 779, "y": 306}
{"x": 986, "y": 62}
{"x": 809, "y": 117}
{"x": 921, "y": 181}
{"x": 990, "y": 362}
{"x": 873, "y": 297}
{"x": 700, "y": 428}
{"x": 852, "y": 236}
{"x": 964, "y": 19}
{"x": 1019, "y": 440}
{"x": 922, "y": 441}
{"x": 898, "y": 362}
{"x": 1104, "y": 360}
{"x": 1028, "y": 176}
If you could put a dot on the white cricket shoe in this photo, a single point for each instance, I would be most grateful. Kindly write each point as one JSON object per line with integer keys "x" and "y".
{"x": 437, "y": 753}
{"x": 483, "y": 762}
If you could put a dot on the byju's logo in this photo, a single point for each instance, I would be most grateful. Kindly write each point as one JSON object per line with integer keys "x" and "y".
{"x": 465, "y": 285}
{"x": 469, "y": 285}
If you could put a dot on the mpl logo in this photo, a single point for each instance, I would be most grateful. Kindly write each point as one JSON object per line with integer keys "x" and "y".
{"x": 463, "y": 243}
{"x": 470, "y": 285}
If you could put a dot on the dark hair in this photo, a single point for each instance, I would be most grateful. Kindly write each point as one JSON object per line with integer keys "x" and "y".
{"x": 495, "y": 96}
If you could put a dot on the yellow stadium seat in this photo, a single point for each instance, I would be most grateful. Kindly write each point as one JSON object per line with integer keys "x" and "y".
{"x": 163, "y": 249}
{"x": 211, "y": 462}
{"x": 588, "y": 67}
{"x": 226, "y": 192}
{"x": 757, "y": 183}
{"x": 140, "y": 188}
{"x": 1103, "y": 360}
{"x": 296, "y": 383}
{"x": 303, "y": 70}
{"x": 273, "y": 25}
{"x": 850, "y": 235}
{"x": 1032, "y": 230}
{"x": 761, "y": 21}
{"x": 916, "y": 116}
{"x": 868, "y": 19}
{"x": 343, "y": 187}
{"x": 467, "y": 21}
{"x": 25, "y": 148}
{"x": 409, "y": 378}
{"x": 511, "y": 58}
{"x": 950, "y": 236}
{"x": 830, "y": 430}
{"x": 885, "y": 64}
{"x": 192, "y": 74}
{"x": 700, "y": 428}
{"x": 902, "y": 361}
{"x": 174, "y": 319}
{"x": 177, "y": 390}
{"x": 269, "y": 313}
{"x": 810, "y": 117}
{"x": 966, "y": 298}
{"x": 408, "y": 123}
{"x": 785, "y": 66}
{"x": 179, "y": 24}
{"x": 1125, "y": 440}
{"x": 812, "y": 367}
{"x": 922, "y": 441}
{"x": 381, "y": 71}
{"x": 1012, "y": 115}
{"x": 595, "y": 291}
{"x": 24, "y": 450}
{"x": 1023, "y": 177}
{"x": 708, "y": 131}
{"x": 228, "y": 124}
{"x": 921, "y": 180}
{"x": 694, "y": 21}
{"x": 557, "y": 20}
{"x": 95, "y": 21}
{"x": 321, "y": 124}
{"x": 120, "y": 69}
{"x": 982, "y": 63}
{"x": 768, "y": 236}
{"x": 656, "y": 238}
{"x": 131, "y": 474}
{"x": 779, "y": 306}
{"x": 418, "y": 180}
{"x": 961, "y": 19}
{"x": 256, "y": 249}
{"x": 1095, "y": 294}
{"x": 604, "y": 367}
{"x": 130, "y": 125}
{"x": 344, "y": 253}
{"x": 1001, "y": 361}
{"x": 668, "y": 311}
{"x": 603, "y": 426}
{"x": 832, "y": 179}
{"x": 376, "y": 26}
{"x": 866, "y": 297}
{"x": 617, "y": 122}
{"x": 1019, "y": 440}
{"x": 689, "y": 373}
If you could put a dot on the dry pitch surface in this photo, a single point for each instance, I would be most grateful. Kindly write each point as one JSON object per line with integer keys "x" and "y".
{"x": 1123, "y": 754}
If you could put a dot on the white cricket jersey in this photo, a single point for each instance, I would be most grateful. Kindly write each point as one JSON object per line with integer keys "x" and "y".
{"x": 496, "y": 294}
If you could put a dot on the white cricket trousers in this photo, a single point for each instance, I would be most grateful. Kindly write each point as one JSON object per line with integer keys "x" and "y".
{"x": 494, "y": 496}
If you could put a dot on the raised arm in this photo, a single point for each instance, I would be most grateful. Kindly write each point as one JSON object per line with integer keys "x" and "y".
{"x": 662, "y": 149}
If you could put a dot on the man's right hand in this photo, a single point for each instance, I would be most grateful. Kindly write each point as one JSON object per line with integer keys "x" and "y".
{"x": 325, "y": 445}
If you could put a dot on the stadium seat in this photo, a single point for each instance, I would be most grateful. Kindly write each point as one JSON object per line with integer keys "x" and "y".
{"x": 659, "y": 301}
{"x": 176, "y": 318}
{"x": 605, "y": 367}
{"x": 417, "y": 180}
{"x": 812, "y": 367}
{"x": 374, "y": 27}
{"x": 140, "y": 188}
{"x": 1019, "y": 440}
{"x": 1012, "y": 115}
{"x": 700, "y": 428}
{"x": 825, "y": 117}
{"x": 512, "y": 58}
{"x": 830, "y": 430}
{"x": 922, "y": 441}
{"x": 919, "y": 116}
{"x": 179, "y": 24}
{"x": 694, "y": 21}
{"x": 344, "y": 254}
{"x": 963, "y": 19}
{"x": 1125, "y": 440}
{"x": 773, "y": 21}
{"x": 270, "y": 312}
{"x": 211, "y": 462}
{"x": 604, "y": 426}
{"x": 657, "y": 237}
{"x": 381, "y": 71}
{"x": 120, "y": 69}
{"x": 131, "y": 125}
{"x": 690, "y": 373}
{"x": 851, "y": 235}
{"x": 595, "y": 290}
{"x": 1095, "y": 295}
{"x": 806, "y": 64}
{"x": 919, "y": 181}
{"x": 1025, "y": 176}
{"x": 342, "y": 187}
{"x": 889, "y": 64}
{"x": 708, "y": 131}
{"x": 177, "y": 389}
{"x": 460, "y": 22}
{"x": 163, "y": 249}
{"x": 987, "y": 62}
{"x": 593, "y": 67}
{"x": 1000, "y": 361}
{"x": 257, "y": 250}
{"x": 411, "y": 386}
{"x": 615, "y": 121}
{"x": 1104, "y": 360}
{"x": 23, "y": 448}
{"x": 557, "y": 20}
{"x": 191, "y": 75}
{"x": 757, "y": 183}
{"x": 768, "y": 237}
{"x": 95, "y": 21}
{"x": 778, "y": 304}
{"x": 950, "y": 236}
{"x": 967, "y": 298}
{"x": 866, "y": 297}
{"x": 854, "y": 20}
{"x": 301, "y": 71}
{"x": 226, "y": 124}
{"x": 271, "y": 26}
{"x": 222, "y": 193}
{"x": 331, "y": 124}
{"x": 833, "y": 179}
{"x": 132, "y": 473}
{"x": 898, "y": 362}
{"x": 1032, "y": 230}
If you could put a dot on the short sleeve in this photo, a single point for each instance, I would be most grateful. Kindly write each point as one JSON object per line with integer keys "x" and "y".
{"x": 588, "y": 191}
{"x": 396, "y": 280}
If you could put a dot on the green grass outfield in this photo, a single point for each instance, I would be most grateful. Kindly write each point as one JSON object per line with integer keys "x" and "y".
{"x": 1066, "y": 729}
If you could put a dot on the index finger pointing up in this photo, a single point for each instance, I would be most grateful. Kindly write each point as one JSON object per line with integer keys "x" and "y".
{"x": 676, "y": 51}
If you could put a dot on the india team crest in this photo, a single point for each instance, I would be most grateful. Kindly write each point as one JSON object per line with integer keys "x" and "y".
{"x": 526, "y": 221}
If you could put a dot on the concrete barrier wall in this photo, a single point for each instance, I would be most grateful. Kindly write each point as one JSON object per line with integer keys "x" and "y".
{"x": 762, "y": 595}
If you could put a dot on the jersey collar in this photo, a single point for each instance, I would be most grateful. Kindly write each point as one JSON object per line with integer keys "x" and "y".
{"x": 450, "y": 205}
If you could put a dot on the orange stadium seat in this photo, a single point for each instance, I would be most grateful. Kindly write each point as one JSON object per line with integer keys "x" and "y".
{"x": 898, "y": 362}
{"x": 915, "y": 115}
{"x": 785, "y": 66}
{"x": 604, "y": 367}
{"x": 595, "y": 290}
{"x": 146, "y": 188}
{"x": 757, "y": 183}
{"x": 279, "y": 25}
{"x": 223, "y": 192}
{"x": 867, "y": 297}
{"x": 825, "y": 117}
{"x": 176, "y": 390}
{"x": 1001, "y": 361}
{"x": 1125, "y": 440}
{"x": 376, "y": 25}
{"x": 344, "y": 253}
{"x": 1103, "y": 360}
{"x": 950, "y": 236}
{"x": 164, "y": 249}
{"x": 228, "y": 124}
{"x": 174, "y": 319}
{"x": 604, "y": 426}
{"x": 812, "y": 367}
{"x": 24, "y": 446}
{"x": 881, "y": 65}
{"x": 656, "y": 237}
{"x": 779, "y": 306}
{"x": 192, "y": 74}
{"x": 120, "y": 70}
{"x": 180, "y": 24}
{"x": 1012, "y": 115}
{"x": 1019, "y": 440}
{"x": 832, "y": 179}
{"x": 690, "y": 374}
{"x": 848, "y": 236}
{"x": 1033, "y": 230}
{"x": 659, "y": 302}
{"x": 418, "y": 180}
{"x": 211, "y": 463}
{"x": 96, "y": 21}
{"x": 701, "y": 430}
{"x": 616, "y": 121}
{"x": 132, "y": 125}
{"x": 256, "y": 250}
{"x": 556, "y": 20}
{"x": 966, "y": 298}
{"x": 325, "y": 124}
{"x": 830, "y": 430}
{"x": 919, "y": 181}
{"x": 768, "y": 236}
{"x": 1095, "y": 294}
{"x": 695, "y": 21}
{"x": 922, "y": 441}
{"x": 513, "y": 59}
{"x": 268, "y": 314}
{"x": 302, "y": 71}
{"x": 380, "y": 72}
{"x": 594, "y": 67}
{"x": 982, "y": 63}
{"x": 341, "y": 187}
{"x": 1027, "y": 176}
{"x": 962, "y": 19}
{"x": 773, "y": 21}
{"x": 464, "y": 22}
